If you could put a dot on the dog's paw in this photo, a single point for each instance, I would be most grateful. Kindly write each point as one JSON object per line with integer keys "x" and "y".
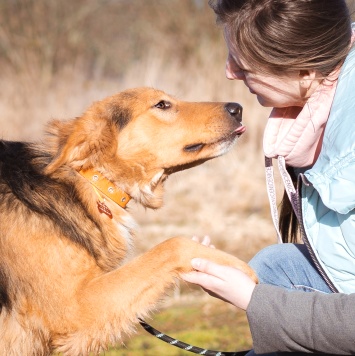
{"x": 182, "y": 250}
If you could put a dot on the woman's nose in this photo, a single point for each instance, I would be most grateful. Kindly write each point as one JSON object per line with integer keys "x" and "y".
{"x": 228, "y": 73}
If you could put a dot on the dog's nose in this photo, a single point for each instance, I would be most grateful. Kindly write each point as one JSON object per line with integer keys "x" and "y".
{"x": 235, "y": 110}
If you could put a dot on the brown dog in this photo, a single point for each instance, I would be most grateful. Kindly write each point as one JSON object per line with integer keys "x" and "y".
{"x": 64, "y": 229}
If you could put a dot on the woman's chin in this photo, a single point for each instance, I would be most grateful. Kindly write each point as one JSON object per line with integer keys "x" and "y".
{"x": 264, "y": 102}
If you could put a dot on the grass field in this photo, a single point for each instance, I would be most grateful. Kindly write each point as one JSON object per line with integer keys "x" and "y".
{"x": 207, "y": 324}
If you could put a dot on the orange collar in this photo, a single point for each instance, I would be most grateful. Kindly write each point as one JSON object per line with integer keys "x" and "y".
{"x": 106, "y": 187}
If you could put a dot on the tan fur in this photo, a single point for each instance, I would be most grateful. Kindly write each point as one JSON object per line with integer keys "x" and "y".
{"x": 63, "y": 282}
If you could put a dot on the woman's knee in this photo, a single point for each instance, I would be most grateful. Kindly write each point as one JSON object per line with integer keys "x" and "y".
{"x": 272, "y": 262}
{"x": 271, "y": 255}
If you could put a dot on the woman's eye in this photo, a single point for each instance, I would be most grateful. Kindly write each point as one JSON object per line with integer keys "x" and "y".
{"x": 236, "y": 67}
{"x": 163, "y": 105}
{"x": 240, "y": 72}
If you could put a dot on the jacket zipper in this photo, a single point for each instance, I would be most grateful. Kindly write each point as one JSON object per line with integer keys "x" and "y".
{"x": 303, "y": 179}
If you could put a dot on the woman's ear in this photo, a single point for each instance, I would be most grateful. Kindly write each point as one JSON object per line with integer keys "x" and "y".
{"x": 307, "y": 78}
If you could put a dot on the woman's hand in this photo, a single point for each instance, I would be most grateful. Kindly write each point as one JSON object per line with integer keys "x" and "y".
{"x": 226, "y": 283}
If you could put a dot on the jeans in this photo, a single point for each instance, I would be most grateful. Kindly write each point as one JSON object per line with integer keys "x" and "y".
{"x": 289, "y": 266}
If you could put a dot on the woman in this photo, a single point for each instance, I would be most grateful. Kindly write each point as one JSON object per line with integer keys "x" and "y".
{"x": 296, "y": 56}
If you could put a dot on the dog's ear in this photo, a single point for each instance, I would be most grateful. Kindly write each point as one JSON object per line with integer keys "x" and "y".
{"x": 82, "y": 142}
{"x": 74, "y": 142}
{"x": 91, "y": 139}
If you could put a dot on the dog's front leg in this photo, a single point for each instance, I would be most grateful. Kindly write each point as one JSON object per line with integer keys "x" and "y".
{"x": 111, "y": 303}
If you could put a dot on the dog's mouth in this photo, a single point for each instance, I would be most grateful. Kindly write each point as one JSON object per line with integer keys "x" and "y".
{"x": 199, "y": 146}
{"x": 230, "y": 137}
{"x": 182, "y": 167}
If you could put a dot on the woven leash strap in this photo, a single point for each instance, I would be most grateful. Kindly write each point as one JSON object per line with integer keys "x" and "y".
{"x": 271, "y": 192}
{"x": 289, "y": 188}
{"x": 182, "y": 345}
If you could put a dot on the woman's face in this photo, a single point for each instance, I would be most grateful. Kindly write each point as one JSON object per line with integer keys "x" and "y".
{"x": 271, "y": 91}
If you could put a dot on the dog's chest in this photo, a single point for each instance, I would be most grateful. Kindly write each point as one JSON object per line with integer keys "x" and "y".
{"x": 126, "y": 227}
{"x": 118, "y": 236}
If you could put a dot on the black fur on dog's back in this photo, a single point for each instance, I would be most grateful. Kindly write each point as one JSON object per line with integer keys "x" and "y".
{"x": 24, "y": 186}
{"x": 4, "y": 295}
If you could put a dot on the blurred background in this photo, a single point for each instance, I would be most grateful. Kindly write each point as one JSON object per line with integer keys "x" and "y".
{"x": 58, "y": 56}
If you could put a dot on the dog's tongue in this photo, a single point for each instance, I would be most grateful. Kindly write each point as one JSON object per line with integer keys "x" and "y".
{"x": 240, "y": 130}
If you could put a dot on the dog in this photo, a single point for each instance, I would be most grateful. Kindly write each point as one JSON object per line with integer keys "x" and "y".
{"x": 65, "y": 232}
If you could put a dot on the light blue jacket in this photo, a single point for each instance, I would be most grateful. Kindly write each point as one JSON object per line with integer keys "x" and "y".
{"x": 328, "y": 203}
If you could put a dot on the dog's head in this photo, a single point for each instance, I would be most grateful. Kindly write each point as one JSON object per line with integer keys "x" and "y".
{"x": 137, "y": 138}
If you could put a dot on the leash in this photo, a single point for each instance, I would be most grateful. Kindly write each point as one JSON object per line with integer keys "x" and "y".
{"x": 182, "y": 345}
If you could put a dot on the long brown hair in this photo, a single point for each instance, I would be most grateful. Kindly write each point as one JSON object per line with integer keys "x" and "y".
{"x": 279, "y": 36}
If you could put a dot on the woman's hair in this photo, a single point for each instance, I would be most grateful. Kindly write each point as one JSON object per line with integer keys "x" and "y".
{"x": 278, "y": 36}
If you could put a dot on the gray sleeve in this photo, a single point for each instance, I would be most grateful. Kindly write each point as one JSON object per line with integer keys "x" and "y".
{"x": 295, "y": 321}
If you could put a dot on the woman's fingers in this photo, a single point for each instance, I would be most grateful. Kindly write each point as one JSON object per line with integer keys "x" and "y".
{"x": 224, "y": 282}
{"x": 206, "y": 241}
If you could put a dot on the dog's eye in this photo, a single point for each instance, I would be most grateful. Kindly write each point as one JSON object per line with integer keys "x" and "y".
{"x": 163, "y": 105}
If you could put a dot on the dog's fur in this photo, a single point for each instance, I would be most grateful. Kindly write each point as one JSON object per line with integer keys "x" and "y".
{"x": 64, "y": 285}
